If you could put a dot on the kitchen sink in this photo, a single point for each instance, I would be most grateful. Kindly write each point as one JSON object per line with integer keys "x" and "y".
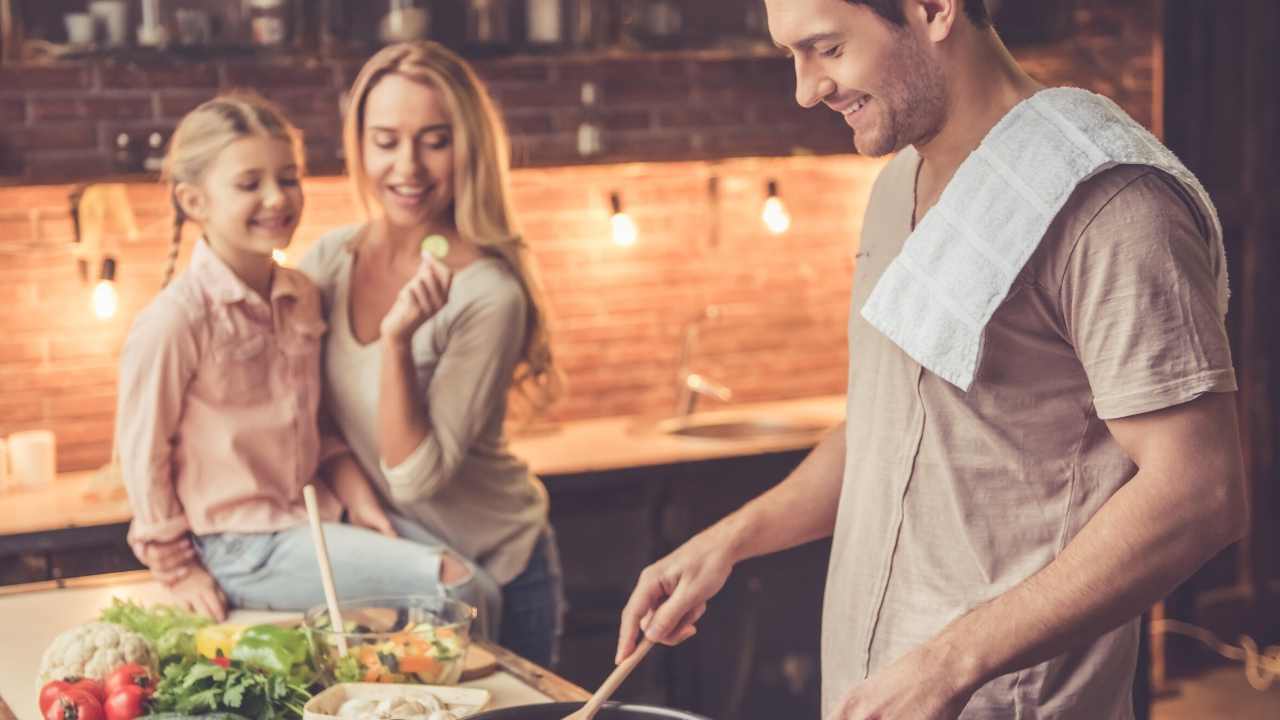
{"x": 751, "y": 427}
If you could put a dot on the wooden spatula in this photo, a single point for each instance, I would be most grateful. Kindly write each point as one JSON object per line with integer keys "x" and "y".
{"x": 611, "y": 683}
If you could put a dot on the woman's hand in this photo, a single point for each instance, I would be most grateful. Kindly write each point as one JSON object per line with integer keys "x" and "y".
{"x": 355, "y": 491}
{"x": 198, "y": 592}
{"x": 168, "y": 561}
{"x": 419, "y": 299}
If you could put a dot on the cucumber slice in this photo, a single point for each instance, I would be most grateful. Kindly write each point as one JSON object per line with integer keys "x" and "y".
{"x": 435, "y": 245}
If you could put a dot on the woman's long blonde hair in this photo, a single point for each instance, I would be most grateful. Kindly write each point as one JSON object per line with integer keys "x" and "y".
{"x": 207, "y": 131}
{"x": 482, "y": 209}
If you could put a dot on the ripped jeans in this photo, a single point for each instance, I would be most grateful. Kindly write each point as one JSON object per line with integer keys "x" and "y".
{"x": 279, "y": 570}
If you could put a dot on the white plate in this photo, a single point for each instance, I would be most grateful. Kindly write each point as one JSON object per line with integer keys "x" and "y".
{"x": 462, "y": 702}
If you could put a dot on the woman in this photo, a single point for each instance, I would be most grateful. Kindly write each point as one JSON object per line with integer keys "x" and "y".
{"x": 422, "y": 352}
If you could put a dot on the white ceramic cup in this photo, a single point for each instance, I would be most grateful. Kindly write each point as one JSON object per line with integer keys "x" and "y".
{"x": 79, "y": 28}
{"x": 33, "y": 458}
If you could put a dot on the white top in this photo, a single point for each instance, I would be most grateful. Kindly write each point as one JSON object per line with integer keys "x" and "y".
{"x": 462, "y": 482}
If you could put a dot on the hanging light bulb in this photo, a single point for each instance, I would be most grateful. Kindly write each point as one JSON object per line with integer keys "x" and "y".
{"x": 775, "y": 214}
{"x": 105, "y": 300}
{"x": 279, "y": 256}
{"x": 624, "y": 228}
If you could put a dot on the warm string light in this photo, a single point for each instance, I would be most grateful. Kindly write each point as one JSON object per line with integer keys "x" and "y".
{"x": 105, "y": 301}
{"x": 624, "y": 228}
{"x": 775, "y": 214}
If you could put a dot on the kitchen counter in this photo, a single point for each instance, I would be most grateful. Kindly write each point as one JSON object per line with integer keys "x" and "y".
{"x": 85, "y": 500}
{"x": 35, "y": 615}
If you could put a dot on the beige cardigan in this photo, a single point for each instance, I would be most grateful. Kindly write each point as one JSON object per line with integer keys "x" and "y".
{"x": 462, "y": 482}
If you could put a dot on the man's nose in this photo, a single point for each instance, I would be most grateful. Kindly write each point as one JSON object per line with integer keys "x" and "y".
{"x": 811, "y": 84}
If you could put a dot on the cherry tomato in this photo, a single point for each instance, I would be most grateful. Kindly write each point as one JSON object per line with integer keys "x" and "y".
{"x": 131, "y": 674}
{"x": 73, "y": 704}
{"x": 127, "y": 703}
{"x": 50, "y": 691}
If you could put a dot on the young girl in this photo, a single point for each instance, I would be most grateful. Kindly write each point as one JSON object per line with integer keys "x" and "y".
{"x": 219, "y": 395}
{"x": 423, "y": 353}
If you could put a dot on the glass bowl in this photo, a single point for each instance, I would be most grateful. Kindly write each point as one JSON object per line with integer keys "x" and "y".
{"x": 415, "y": 639}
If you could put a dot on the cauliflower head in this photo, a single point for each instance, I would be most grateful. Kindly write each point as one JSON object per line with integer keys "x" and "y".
{"x": 93, "y": 650}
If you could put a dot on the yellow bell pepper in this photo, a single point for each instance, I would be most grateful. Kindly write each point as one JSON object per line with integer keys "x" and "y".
{"x": 213, "y": 640}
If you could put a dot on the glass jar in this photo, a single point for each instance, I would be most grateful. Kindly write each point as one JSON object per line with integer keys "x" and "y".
{"x": 405, "y": 20}
{"x": 268, "y": 23}
{"x": 488, "y": 26}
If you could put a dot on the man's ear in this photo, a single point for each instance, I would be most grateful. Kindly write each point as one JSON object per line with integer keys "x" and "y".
{"x": 192, "y": 200}
{"x": 938, "y": 17}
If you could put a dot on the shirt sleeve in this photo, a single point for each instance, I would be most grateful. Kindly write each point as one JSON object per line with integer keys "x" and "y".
{"x": 1139, "y": 300}
{"x": 472, "y": 378}
{"x": 157, "y": 364}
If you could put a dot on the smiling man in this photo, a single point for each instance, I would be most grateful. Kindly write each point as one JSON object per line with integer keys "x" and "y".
{"x": 1040, "y": 438}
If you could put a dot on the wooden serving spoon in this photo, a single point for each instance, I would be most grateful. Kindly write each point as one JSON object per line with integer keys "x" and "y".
{"x": 611, "y": 683}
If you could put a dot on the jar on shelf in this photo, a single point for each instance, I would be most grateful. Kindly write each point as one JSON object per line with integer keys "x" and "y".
{"x": 405, "y": 20}
{"x": 268, "y": 23}
{"x": 488, "y": 26}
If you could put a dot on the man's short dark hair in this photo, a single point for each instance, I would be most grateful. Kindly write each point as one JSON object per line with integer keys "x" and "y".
{"x": 891, "y": 10}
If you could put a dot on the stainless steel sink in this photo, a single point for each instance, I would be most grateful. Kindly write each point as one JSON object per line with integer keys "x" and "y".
{"x": 739, "y": 428}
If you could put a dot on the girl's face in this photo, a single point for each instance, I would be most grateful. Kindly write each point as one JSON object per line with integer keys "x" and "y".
{"x": 249, "y": 199}
{"x": 408, "y": 152}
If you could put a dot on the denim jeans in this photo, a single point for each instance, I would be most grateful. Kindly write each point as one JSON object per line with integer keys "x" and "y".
{"x": 533, "y": 605}
{"x": 279, "y": 570}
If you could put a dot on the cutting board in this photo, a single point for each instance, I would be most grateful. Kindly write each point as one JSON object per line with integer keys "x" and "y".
{"x": 479, "y": 663}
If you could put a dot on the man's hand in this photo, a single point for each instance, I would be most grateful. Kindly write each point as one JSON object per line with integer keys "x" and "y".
{"x": 198, "y": 592}
{"x": 170, "y": 561}
{"x": 921, "y": 685}
{"x": 672, "y": 594}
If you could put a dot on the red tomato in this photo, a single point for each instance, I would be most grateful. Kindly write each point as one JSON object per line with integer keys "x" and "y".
{"x": 50, "y": 691}
{"x": 131, "y": 674}
{"x": 73, "y": 704}
{"x": 127, "y": 703}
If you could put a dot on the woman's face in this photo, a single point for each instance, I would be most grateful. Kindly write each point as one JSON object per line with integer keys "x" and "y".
{"x": 408, "y": 152}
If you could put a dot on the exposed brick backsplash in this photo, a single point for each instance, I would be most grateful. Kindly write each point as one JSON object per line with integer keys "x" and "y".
{"x": 618, "y": 312}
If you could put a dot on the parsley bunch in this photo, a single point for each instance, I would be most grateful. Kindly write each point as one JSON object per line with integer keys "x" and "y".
{"x": 207, "y": 686}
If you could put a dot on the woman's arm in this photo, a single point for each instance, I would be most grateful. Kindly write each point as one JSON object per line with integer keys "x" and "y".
{"x": 436, "y": 428}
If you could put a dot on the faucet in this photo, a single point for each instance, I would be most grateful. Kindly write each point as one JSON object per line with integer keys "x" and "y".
{"x": 690, "y": 385}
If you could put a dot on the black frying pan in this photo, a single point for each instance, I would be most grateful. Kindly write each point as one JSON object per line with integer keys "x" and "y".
{"x": 610, "y": 711}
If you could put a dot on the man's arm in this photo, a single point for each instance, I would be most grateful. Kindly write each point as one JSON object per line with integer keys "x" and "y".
{"x": 1186, "y": 503}
{"x": 798, "y": 510}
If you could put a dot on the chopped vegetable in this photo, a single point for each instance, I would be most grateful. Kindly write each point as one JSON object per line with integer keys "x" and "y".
{"x": 435, "y": 245}
{"x": 422, "y": 654}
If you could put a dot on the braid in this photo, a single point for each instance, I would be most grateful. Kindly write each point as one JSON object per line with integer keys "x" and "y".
{"x": 179, "y": 217}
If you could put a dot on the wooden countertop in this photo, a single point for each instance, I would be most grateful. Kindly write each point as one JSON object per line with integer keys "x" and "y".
{"x": 35, "y": 614}
{"x": 85, "y": 499}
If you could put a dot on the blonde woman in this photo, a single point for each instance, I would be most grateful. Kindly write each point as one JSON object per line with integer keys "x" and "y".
{"x": 423, "y": 351}
{"x": 220, "y": 387}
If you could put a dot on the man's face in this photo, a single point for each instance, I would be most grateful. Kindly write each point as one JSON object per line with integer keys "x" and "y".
{"x": 881, "y": 77}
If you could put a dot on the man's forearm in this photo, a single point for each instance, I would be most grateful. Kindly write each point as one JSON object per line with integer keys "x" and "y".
{"x": 798, "y": 510}
{"x": 1146, "y": 539}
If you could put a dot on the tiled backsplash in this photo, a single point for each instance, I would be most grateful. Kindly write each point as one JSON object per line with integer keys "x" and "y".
{"x": 618, "y": 312}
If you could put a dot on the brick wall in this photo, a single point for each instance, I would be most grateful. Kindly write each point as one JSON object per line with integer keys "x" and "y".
{"x": 618, "y": 312}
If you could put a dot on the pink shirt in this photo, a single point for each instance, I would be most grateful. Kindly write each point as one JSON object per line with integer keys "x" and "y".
{"x": 217, "y": 416}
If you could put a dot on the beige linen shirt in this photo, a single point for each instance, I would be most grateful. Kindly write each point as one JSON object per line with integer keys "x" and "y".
{"x": 952, "y": 498}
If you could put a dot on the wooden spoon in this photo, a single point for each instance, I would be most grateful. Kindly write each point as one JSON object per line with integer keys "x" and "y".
{"x": 611, "y": 683}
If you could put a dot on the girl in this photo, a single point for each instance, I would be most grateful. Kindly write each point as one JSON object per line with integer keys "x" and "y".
{"x": 423, "y": 353}
{"x": 219, "y": 392}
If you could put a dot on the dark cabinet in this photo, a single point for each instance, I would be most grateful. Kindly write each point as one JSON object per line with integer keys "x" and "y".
{"x": 756, "y": 654}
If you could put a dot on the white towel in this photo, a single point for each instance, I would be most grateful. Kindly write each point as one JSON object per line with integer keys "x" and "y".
{"x": 937, "y": 296}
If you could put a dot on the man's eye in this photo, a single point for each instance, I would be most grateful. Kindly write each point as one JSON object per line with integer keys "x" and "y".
{"x": 249, "y": 186}
{"x": 831, "y": 52}
{"x": 289, "y": 182}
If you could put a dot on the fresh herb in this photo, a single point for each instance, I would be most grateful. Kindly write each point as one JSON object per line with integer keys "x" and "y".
{"x": 348, "y": 669}
{"x": 170, "y": 631}
{"x": 202, "y": 686}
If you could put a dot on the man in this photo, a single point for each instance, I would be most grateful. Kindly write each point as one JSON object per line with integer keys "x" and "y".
{"x": 1040, "y": 439}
